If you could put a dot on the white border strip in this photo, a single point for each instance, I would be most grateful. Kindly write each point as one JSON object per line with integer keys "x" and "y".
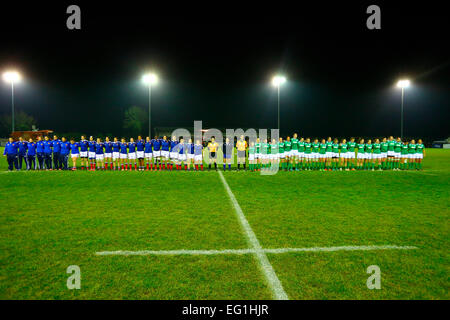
{"x": 267, "y": 269}
{"x": 251, "y": 251}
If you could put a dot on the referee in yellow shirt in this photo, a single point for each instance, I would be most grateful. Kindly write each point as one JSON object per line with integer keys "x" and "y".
{"x": 241, "y": 146}
{"x": 212, "y": 147}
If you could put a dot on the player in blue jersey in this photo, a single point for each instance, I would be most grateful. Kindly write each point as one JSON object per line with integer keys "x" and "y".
{"x": 157, "y": 152}
{"x": 56, "y": 144}
{"x": 91, "y": 153}
{"x": 75, "y": 152}
{"x": 48, "y": 153}
{"x": 116, "y": 154}
{"x": 174, "y": 154}
{"x": 31, "y": 154}
{"x": 123, "y": 154}
{"x": 132, "y": 154}
{"x": 108, "y": 154}
{"x": 40, "y": 152}
{"x": 99, "y": 154}
{"x": 64, "y": 154}
{"x": 140, "y": 154}
{"x": 198, "y": 155}
{"x": 84, "y": 152}
{"x": 11, "y": 151}
{"x": 227, "y": 150}
{"x": 148, "y": 153}
{"x": 165, "y": 146}
{"x": 190, "y": 154}
{"x": 22, "y": 155}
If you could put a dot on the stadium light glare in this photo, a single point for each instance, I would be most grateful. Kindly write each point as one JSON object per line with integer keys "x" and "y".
{"x": 11, "y": 76}
{"x": 403, "y": 83}
{"x": 150, "y": 79}
{"x": 278, "y": 80}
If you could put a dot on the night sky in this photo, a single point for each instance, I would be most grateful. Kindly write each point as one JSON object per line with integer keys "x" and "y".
{"x": 215, "y": 63}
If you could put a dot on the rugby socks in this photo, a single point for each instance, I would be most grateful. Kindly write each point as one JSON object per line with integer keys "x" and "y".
{"x": 215, "y": 165}
{"x": 224, "y": 167}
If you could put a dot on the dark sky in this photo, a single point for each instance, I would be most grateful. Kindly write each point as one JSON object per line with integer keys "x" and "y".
{"x": 215, "y": 63}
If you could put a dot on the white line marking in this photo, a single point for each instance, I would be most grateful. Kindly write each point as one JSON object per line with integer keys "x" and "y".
{"x": 250, "y": 251}
{"x": 267, "y": 269}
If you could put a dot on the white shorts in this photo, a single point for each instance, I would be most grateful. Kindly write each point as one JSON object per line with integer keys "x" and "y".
{"x": 190, "y": 156}
{"x": 148, "y": 155}
{"x": 391, "y": 153}
{"x": 91, "y": 155}
{"x": 83, "y": 154}
{"x": 315, "y": 155}
{"x": 343, "y": 155}
{"x": 419, "y": 155}
{"x": 376, "y": 156}
{"x": 351, "y": 155}
{"x": 412, "y": 156}
{"x": 181, "y": 157}
{"x": 369, "y": 156}
{"x": 123, "y": 156}
{"x": 108, "y": 155}
{"x": 251, "y": 157}
{"x": 257, "y": 155}
{"x": 99, "y": 157}
{"x": 384, "y": 155}
{"x": 75, "y": 155}
{"x": 329, "y": 154}
{"x": 272, "y": 156}
{"x": 165, "y": 154}
{"x": 335, "y": 154}
{"x": 116, "y": 155}
{"x": 174, "y": 155}
{"x": 198, "y": 157}
{"x": 397, "y": 154}
{"x": 140, "y": 154}
{"x": 281, "y": 155}
{"x": 132, "y": 155}
{"x": 157, "y": 154}
{"x": 361, "y": 155}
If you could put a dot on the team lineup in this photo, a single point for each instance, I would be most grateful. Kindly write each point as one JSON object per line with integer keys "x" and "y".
{"x": 290, "y": 154}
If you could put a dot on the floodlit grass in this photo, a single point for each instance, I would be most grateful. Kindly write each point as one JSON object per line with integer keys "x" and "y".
{"x": 51, "y": 220}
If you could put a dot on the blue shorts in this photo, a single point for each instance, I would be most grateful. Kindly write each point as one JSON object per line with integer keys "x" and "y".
{"x": 227, "y": 156}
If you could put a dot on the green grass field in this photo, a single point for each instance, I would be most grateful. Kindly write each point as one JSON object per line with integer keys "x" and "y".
{"x": 51, "y": 220}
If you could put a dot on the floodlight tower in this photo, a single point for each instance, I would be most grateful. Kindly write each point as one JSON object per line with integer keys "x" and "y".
{"x": 402, "y": 84}
{"x": 12, "y": 77}
{"x": 277, "y": 81}
{"x": 150, "y": 79}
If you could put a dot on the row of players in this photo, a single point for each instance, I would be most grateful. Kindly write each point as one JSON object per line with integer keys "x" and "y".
{"x": 290, "y": 154}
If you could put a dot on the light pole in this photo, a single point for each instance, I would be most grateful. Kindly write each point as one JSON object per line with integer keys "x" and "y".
{"x": 277, "y": 81}
{"x": 402, "y": 84}
{"x": 12, "y": 77}
{"x": 150, "y": 79}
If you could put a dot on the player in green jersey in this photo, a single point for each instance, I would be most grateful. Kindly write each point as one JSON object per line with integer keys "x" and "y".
{"x": 391, "y": 152}
{"x": 301, "y": 154}
{"x": 265, "y": 154}
{"x": 368, "y": 163}
{"x": 251, "y": 156}
{"x": 361, "y": 155}
{"x": 329, "y": 153}
{"x": 351, "y": 153}
{"x": 258, "y": 153}
{"x": 384, "y": 150}
{"x": 343, "y": 150}
{"x": 377, "y": 154}
{"x": 281, "y": 155}
{"x": 294, "y": 155}
{"x": 420, "y": 154}
{"x": 397, "y": 153}
{"x": 335, "y": 155}
{"x": 274, "y": 154}
{"x": 308, "y": 154}
{"x": 322, "y": 155}
{"x": 404, "y": 156}
{"x": 288, "y": 154}
{"x": 315, "y": 154}
{"x": 412, "y": 154}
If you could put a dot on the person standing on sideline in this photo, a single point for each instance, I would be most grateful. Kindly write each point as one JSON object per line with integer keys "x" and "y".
{"x": 212, "y": 147}
{"x": 48, "y": 153}
{"x": 227, "y": 150}
{"x": 241, "y": 146}
{"x": 84, "y": 153}
{"x": 75, "y": 151}
{"x": 64, "y": 154}
{"x": 22, "y": 153}
{"x": 11, "y": 151}
{"x": 40, "y": 152}
{"x": 56, "y": 144}
{"x": 31, "y": 155}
